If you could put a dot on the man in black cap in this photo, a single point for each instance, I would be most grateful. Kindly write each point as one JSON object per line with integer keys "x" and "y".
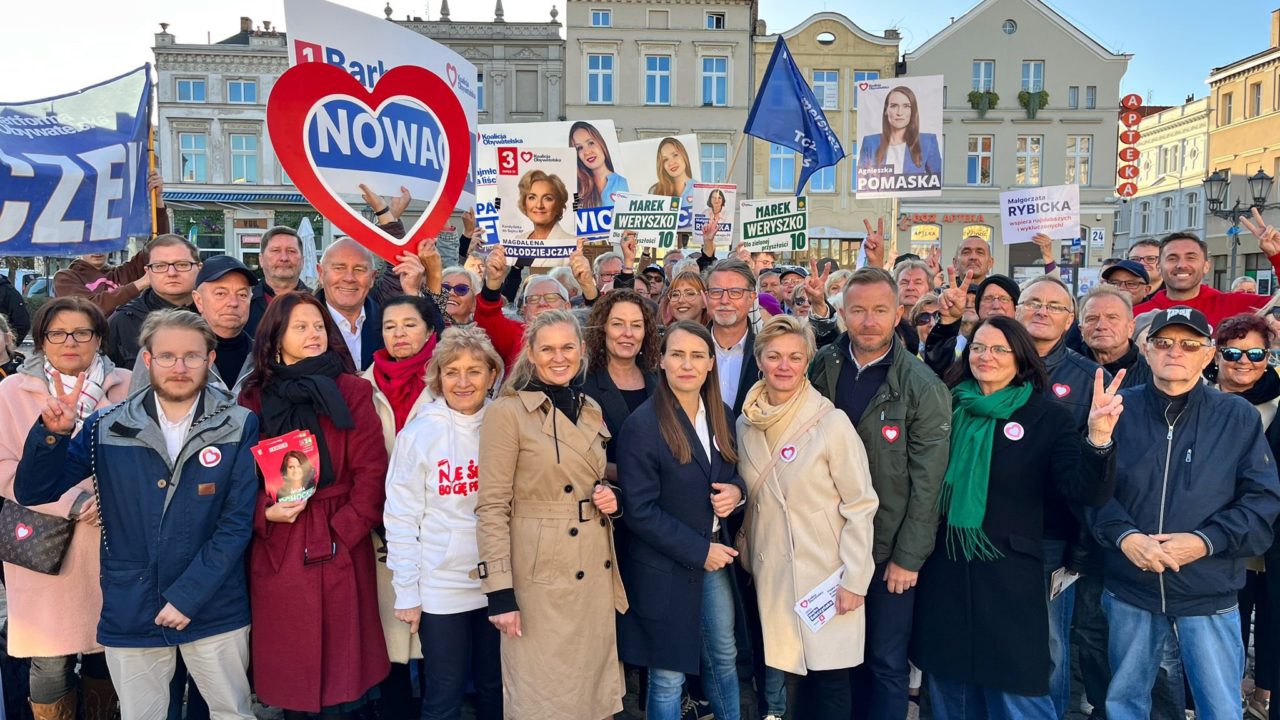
{"x": 655, "y": 279}
{"x": 1129, "y": 276}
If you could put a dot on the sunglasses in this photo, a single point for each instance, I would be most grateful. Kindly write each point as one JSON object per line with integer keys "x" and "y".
{"x": 1255, "y": 355}
{"x": 927, "y": 318}
{"x": 461, "y": 289}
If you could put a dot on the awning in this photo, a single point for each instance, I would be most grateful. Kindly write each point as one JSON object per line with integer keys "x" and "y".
{"x": 234, "y": 197}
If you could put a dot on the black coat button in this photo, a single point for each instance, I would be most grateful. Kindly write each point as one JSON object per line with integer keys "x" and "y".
{"x": 580, "y": 575}
{"x": 608, "y": 564}
{"x": 603, "y": 522}
{"x": 573, "y": 532}
{"x": 568, "y": 488}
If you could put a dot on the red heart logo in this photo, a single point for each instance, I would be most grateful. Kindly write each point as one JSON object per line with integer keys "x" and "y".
{"x": 890, "y": 432}
{"x": 23, "y": 531}
{"x": 526, "y": 156}
{"x": 452, "y": 71}
{"x": 863, "y": 86}
{"x": 789, "y": 453}
{"x": 297, "y": 98}
{"x": 1061, "y": 390}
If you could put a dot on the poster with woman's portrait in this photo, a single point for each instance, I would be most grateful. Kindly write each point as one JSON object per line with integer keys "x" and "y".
{"x": 713, "y": 208}
{"x": 664, "y": 166}
{"x": 535, "y": 191}
{"x": 290, "y": 465}
{"x": 900, "y": 137}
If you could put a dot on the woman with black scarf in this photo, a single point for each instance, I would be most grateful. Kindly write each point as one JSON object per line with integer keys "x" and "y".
{"x": 318, "y": 645}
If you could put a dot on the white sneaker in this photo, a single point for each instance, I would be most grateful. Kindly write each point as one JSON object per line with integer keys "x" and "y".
{"x": 772, "y": 717}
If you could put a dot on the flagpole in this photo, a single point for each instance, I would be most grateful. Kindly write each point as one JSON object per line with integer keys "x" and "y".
{"x": 736, "y": 152}
{"x": 151, "y": 166}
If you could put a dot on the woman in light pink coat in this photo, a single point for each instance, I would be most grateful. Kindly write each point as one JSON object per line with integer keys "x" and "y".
{"x": 53, "y": 619}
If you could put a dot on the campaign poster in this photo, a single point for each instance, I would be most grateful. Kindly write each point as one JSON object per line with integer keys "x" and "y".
{"x": 1053, "y": 210}
{"x": 403, "y": 114}
{"x": 899, "y": 137}
{"x": 713, "y": 211}
{"x": 536, "y": 186}
{"x": 290, "y": 465}
{"x": 599, "y": 169}
{"x": 775, "y": 224}
{"x": 665, "y": 166}
{"x": 73, "y": 169}
{"x": 653, "y": 219}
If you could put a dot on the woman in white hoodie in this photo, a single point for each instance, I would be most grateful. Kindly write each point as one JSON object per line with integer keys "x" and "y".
{"x": 430, "y": 520}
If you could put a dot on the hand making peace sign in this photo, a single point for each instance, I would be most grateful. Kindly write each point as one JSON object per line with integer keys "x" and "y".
{"x": 1106, "y": 408}
{"x": 952, "y": 300}
{"x": 1268, "y": 237}
{"x": 874, "y": 244}
{"x": 815, "y": 287}
{"x": 59, "y": 413}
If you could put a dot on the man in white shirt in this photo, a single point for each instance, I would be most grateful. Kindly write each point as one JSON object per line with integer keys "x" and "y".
{"x": 730, "y": 296}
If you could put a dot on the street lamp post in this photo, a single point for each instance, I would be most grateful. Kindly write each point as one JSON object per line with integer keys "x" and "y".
{"x": 1215, "y": 193}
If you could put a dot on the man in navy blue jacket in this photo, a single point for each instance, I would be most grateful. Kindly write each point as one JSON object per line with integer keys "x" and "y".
{"x": 1196, "y": 494}
{"x": 176, "y": 490}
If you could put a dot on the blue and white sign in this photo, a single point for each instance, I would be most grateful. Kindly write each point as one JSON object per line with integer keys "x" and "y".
{"x": 73, "y": 169}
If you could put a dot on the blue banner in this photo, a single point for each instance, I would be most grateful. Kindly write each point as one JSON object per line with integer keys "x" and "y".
{"x": 787, "y": 113}
{"x": 73, "y": 169}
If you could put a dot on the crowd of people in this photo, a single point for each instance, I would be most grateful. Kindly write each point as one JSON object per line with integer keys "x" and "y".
{"x": 829, "y": 487}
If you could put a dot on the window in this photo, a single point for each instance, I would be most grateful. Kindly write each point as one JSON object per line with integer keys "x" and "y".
{"x": 824, "y": 180}
{"x": 1162, "y": 161}
{"x": 1228, "y": 101}
{"x": 826, "y": 87}
{"x": 1167, "y": 214}
{"x": 1091, "y": 97}
{"x": 191, "y": 91}
{"x": 194, "y": 158}
{"x": 1079, "y": 154}
{"x": 1255, "y": 99}
{"x": 1009, "y": 27}
{"x": 659, "y": 19}
{"x": 479, "y": 92}
{"x": 1033, "y": 75}
{"x": 978, "y": 170}
{"x": 657, "y": 79}
{"x": 715, "y": 81}
{"x": 1144, "y": 218}
{"x": 782, "y": 169}
{"x": 715, "y": 161}
{"x": 984, "y": 75}
{"x": 242, "y": 91}
{"x": 862, "y": 76}
{"x": 1193, "y": 210}
{"x": 1073, "y": 97}
{"x": 1175, "y": 157}
{"x": 715, "y": 21}
{"x": 1027, "y": 167}
{"x": 601, "y": 18}
{"x": 600, "y": 79}
{"x": 244, "y": 158}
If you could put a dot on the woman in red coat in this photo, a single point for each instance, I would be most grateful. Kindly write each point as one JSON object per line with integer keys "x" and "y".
{"x": 317, "y": 639}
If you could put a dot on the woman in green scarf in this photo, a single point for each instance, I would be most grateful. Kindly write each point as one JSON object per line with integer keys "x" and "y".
{"x": 982, "y": 626}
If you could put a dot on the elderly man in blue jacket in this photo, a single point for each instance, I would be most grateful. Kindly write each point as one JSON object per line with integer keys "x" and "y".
{"x": 176, "y": 488}
{"x": 1196, "y": 494}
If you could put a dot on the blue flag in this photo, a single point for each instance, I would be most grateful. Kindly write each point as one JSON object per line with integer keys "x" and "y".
{"x": 73, "y": 169}
{"x": 787, "y": 113}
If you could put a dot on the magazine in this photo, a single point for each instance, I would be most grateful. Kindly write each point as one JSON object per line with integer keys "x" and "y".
{"x": 290, "y": 465}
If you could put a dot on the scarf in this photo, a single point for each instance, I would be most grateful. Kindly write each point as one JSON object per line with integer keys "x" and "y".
{"x": 91, "y": 395}
{"x": 402, "y": 381}
{"x": 1266, "y": 389}
{"x": 298, "y": 395}
{"x": 568, "y": 399}
{"x": 772, "y": 420}
{"x": 964, "y": 488}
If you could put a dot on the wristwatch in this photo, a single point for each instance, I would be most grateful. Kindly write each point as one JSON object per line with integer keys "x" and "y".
{"x": 77, "y": 507}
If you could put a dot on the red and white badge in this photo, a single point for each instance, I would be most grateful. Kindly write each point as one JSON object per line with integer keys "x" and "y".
{"x": 1061, "y": 390}
{"x": 210, "y": 456}
{"x": 1014, "y": 431}
{"x": 891, "y": 432}
{"x": 787, "y": 453}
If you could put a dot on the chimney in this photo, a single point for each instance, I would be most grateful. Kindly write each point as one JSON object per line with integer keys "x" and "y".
{"x": 246, "y": 25}
{"x": 892, "y": 34}
{"x": 1275, "y": 28}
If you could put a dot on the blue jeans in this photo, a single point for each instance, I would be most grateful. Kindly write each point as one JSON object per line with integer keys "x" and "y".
{"x": 1209, "y": 645}
{"x": 1060, "y": 610}
{"x": 719, "y": 658}
{"x": 952, "y": 700}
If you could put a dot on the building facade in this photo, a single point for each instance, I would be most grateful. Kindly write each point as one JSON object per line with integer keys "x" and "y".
{"x": 222, "y": 179}
{"x": 835, "y": 55}
{"x": 1244, "y": 137}
{"x": 665, "y": 67}
{"x": 1004, "y": 47}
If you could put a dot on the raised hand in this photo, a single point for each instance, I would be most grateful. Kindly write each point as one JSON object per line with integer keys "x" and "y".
{"x": 377, "y": 203}
{"x": 874, "y": 244}
{"x": 1045, "y": 243}
{"x": 951, "y": 301}
{"x": 630, "y": 246}
{"x": 815, "y": 288}
{"x": 432, "y": 264}
{"x": 1106, "y": 408}
{"x": 59, "y": 413}
{"x": 495, "y": 268}
{"x": 580, "y": 266}
{"x": 469, "y": 222}
{"x": 1268, "y": 237}
{"x": 743, "y": 253}
{"x": 411, "y": 271}
{"x": 709, "y": 234}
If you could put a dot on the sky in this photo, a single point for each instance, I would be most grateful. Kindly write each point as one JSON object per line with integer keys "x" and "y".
{"x": 1174, "y": 42}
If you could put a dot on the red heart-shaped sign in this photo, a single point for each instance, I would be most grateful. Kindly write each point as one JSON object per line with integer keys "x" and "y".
{"x": 452, "y": 71}
{"x": 23, "y": 531}
{"x": 526, "y": 156}
{"x": 295, "y": 102}
{"x": 1061, "y": 390}
{"x": 890, "y": 432}
{"x": 863, "y": 86}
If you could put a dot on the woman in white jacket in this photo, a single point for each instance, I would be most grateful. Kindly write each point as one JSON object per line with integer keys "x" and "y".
{"x": 430, "y": 520}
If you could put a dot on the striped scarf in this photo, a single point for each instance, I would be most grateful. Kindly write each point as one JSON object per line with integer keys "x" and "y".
{"x": 91, "y": 394}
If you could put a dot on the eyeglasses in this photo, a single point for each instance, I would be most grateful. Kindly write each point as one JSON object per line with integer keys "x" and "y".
{"x": 1146, "y": 259}
{"x": 1052, "y": 308}
{"x": 58, "y": 337}
{"x": 928, "y": 318}
{"x": 191, "y": 362}
{"x": 181, "y": 266}
{"x": 1255, "y": 355}
{"x": 802, "y": 300}
{"x": 1126, "y": 284}
{"x": 1188, "y": 346}
{"x": 543, "y": 299}
{"x": 734, "y": 293}
{"x": 996, "y": 300}
{"x": 459, "y": 289}
{"x": 683, "y": 294}
{"x": 1000, "y": 351}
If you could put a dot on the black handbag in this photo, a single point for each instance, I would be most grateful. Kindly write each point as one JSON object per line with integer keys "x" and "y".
{"x": 33, "y": 540}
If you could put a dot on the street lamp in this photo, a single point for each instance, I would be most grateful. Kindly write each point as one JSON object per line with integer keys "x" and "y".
{"x": 1215, "y": 195}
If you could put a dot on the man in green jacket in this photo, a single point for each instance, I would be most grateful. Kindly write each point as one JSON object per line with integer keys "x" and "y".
{"x": 903, "y": 414}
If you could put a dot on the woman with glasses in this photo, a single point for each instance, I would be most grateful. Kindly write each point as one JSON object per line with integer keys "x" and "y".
{"x": 685, "y": 300}
{"x": 53, "y": 619}
{"x": 1244, "y": 343}
{"x": 798, "y": 304}
{"x": 923, "y": 317}
{"x": 459, "y": 286}
{"x": 318, "y": 644}
{"x": 981, "y": 629}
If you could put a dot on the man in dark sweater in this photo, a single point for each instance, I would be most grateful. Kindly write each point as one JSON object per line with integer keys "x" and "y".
{"x": 173, "y": 262}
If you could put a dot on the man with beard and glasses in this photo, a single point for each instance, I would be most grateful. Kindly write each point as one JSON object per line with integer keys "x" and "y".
{"x": 177, "y": 486}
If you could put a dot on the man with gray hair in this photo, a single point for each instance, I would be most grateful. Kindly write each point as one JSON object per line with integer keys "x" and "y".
{"x": 1107, "y": 325}
{"x": 914, "y": 280}
{"x": 1244, "y": 284}
{"x": 607, "y": 267}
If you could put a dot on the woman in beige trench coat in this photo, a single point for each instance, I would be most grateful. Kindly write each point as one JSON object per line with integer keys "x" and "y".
{"x": 809, "y": 514}
{"x": 547, "y": 563}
